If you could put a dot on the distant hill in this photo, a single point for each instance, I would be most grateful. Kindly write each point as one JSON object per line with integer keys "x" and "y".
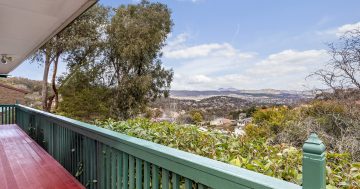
{"x": 218, "y": 106}
{"x": 219, "y": 103}
{"x": 266, "y": 96}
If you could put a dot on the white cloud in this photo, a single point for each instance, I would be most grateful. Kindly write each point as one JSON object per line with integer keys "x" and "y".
{"x": 178, "y": 41}
{"x": 347, "y": 27}
{"x": 198, "y": 79}
{"x": 289, "y": 62}
{"x": 339, "y": 31}
{"x": 216, "y": 65}
{"x": 203, "y": 82}
{"x": 203, "y": 50}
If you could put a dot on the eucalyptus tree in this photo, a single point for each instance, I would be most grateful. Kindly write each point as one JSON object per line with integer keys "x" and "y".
{"x": 83, "y": 35}
{"x": 135, "y": 36}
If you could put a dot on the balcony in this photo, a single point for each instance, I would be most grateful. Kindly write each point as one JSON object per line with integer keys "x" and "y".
{"x": 62, "y": 152}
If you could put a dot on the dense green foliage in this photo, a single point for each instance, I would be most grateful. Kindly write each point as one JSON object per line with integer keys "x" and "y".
{"x": 196, "y": 116}
{"x": 135, "y": 37}
{"x": 281, "y": 161}
{"x": 123, "y": 70}
{"x": 84, "y": 99}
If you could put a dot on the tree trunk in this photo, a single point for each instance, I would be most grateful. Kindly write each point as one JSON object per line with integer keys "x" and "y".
{"x": 53, "y": 81}
{"x": 44, "y": 91}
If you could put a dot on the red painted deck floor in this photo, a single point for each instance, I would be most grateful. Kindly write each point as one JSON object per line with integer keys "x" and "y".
{"x": 24, "y": 164}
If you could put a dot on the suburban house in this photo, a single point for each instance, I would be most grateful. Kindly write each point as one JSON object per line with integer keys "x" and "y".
{"x": 11, "y": 95}
{"x": 221, "y": 122}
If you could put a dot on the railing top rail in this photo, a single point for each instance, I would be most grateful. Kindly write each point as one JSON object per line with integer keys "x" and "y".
{"x": 7, "y": 105}
{"x": 195, "y": 167}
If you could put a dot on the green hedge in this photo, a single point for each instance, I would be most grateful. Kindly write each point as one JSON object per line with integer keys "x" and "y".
{"x": 280, "y": 161}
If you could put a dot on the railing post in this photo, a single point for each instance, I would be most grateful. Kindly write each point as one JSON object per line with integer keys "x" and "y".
{"x": 314, "y": 176}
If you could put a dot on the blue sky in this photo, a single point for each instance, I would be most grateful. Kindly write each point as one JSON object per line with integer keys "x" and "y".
{"x": 249, "y": 44}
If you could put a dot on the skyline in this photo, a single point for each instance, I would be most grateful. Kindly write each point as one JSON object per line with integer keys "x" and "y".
{"x": 245, "y": 44}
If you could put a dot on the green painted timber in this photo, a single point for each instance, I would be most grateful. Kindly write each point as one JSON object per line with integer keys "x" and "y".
{"x": 101, "y": 158}
{"x": 147, "y": 174}
{"x": 188, "y": 183}
{"x": 175, "y": 181}
{"x": 165, "y": 179}
{"x": 155, "y": 177}
{"x": 7, "y": 114}
{"x": 139, "y": 169}
{"x": 314, "y": 174}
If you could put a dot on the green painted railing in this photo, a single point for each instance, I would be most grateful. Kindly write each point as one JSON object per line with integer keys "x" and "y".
{"x": 100, "y": 158}
{"x": 7, "y": 114}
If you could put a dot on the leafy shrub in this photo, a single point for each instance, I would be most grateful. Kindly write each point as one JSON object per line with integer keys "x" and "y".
{"x": 255, "y": 131}
{"x": 274, "y": 119}
{"x": 196, "y": 116}
{"x": 281, "y": 160}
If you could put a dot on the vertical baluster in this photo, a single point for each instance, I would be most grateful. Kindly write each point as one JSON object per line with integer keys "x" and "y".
{"x": 76, "y": 152}
{"x": 131, "y": 172}
{"x": 113, "y": 168}
{"x": 104, "y": 156}
{"x": 188, "y": 183}
{"x": 93, "y": 163}
{"x": 119, "y": 170}
{"x": 51, "y": 139}
{"x": 60, "y": 144}
{"x": 56, "y": 143}
{"x": 86, "y": 159}
{"x": 175, "y": 181}
{"x": 101, "y": 166}
{"x": 139, "y": 169}
{"x": 165, "y": 178}
{"x": 9, "y": 115}
{"x": 146, "y": 175}
{"x": 13, "y": 113}
{"x": 80, "y": 161}
{"x": 2, "y": 115}
{"x": 6, "y": 116}
{"x": 66, "y": 150}
{"x": 71, "y": 152}
{"x": 108, "y": 165}
{"x": 155, "y": 177}
{"x": 125, "y": 171}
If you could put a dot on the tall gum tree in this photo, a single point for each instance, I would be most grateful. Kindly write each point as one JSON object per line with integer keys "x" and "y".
{"x": 83, "y": 32}
{"x": 135, "y": 37}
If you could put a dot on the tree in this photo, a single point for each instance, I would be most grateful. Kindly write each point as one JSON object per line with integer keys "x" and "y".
{"x": 135, "y": 38}
{"x": 196, "y": 116}
{"x": 83, "y": 33}
{"x": 343, "y": 70}
{"x": 83, "y": 95}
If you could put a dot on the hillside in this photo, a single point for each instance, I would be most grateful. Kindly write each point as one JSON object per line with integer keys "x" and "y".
{"x": 212, "y": 106}
{"x": 264, "y": 96}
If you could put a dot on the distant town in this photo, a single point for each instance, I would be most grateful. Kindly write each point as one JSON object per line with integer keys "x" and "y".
{"x": 225, "y": 109}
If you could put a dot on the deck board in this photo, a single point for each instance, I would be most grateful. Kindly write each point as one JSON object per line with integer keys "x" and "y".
{"x": 24, "y": 164}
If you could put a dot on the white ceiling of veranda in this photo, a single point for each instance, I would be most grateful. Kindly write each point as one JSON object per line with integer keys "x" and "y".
{"x": 25, "y": 25}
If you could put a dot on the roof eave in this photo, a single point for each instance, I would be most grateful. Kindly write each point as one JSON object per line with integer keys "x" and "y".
{"x": 80, "y": 11}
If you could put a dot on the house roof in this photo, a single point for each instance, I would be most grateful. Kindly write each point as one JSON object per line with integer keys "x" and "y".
{"x": 14, "y": 88}
{"x": 25, "y": 25}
